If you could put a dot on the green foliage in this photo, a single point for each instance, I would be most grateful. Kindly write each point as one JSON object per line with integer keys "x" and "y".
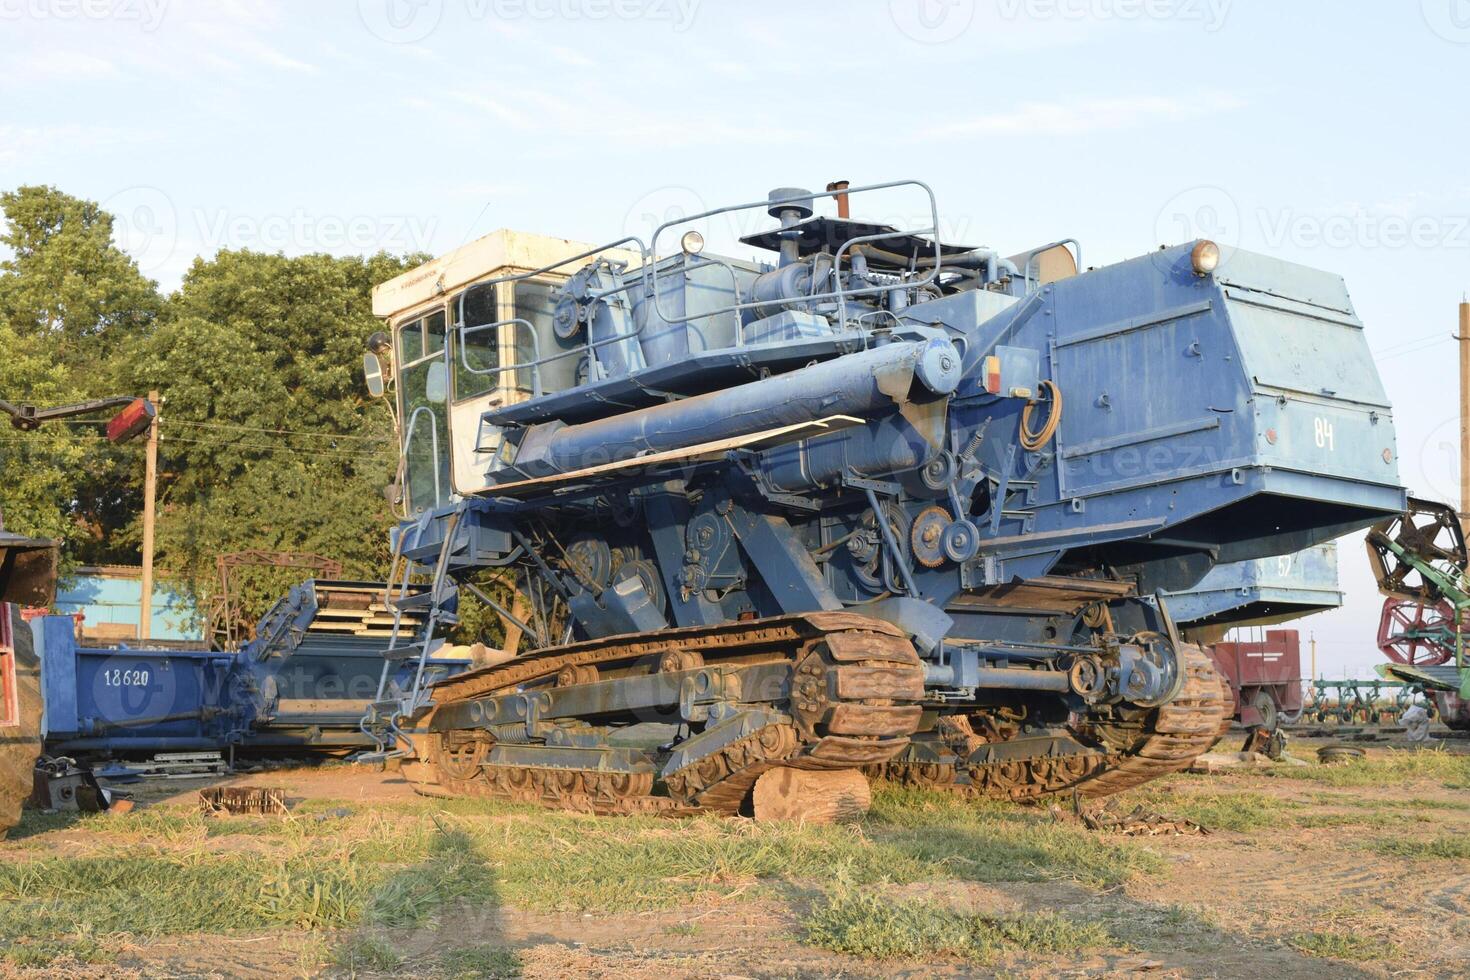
{"x": 480, "y": 963}
{"x": 1341, "y": 946}
{"x": 270, "y": 441}
{"x": 65, "y": 282}
{"x": 42, "y": 468}
{"x": 1441, "y": 848}
{"x": 69, "y": 300}
{"x": 366, "y": 953}
{"x": 864, "y": 924}
{"x": 267, "y": 439}
{"x": 1396, "y": 766}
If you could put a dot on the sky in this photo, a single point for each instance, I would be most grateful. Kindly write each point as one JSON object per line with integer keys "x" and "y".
{"x": 1327, "y": 132}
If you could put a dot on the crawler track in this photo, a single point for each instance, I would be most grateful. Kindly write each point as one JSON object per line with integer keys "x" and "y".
{"x": 824, "y": 691}
{"x": 1167, "y": 740}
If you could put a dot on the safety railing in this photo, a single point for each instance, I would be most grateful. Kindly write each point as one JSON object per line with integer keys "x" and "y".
{"x": 409, "y": 430}
{"x": 1035, "y": 258}
{"x": 836, "y": 295}
{"x": 648, "y": 276}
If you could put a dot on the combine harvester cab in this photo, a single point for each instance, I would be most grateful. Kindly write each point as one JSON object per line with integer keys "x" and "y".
{"x": 880, "y": 504}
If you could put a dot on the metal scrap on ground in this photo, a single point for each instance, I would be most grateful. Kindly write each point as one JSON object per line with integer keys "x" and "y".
{"x": 243, "y": 799}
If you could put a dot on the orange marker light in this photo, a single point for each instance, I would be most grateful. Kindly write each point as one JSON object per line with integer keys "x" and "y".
{"x": 992, "y": 374}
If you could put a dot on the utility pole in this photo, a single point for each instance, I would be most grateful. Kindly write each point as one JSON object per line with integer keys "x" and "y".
{"x": 150, "y": 487}
{"x": 1313, "y": 642}
{"x": 1464, "y": 338}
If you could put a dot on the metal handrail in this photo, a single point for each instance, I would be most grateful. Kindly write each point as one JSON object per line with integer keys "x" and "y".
{"x": 842, "y": 294}
{"x": 1036, "y": 255}
{"x": 534, "y": 364}
{"x": 433, "y": 447}
{"x": 648, "y": 275}
{"x": 798, "y": 199}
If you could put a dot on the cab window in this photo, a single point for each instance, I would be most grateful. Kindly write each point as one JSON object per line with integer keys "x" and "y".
{"x": 422, "y": 410}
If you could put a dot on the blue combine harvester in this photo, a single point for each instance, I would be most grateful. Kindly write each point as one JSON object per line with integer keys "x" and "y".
{"x": 874, "y": 504}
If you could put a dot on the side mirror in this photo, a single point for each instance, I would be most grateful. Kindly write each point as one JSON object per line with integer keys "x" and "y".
{"x": 436, "y": 383}
{"x": 372, "y": 372}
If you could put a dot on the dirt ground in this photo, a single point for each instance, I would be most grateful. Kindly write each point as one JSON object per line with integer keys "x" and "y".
{"x": 1299, "y": 877}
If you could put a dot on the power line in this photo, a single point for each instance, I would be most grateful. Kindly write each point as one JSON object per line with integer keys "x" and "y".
{"x": 169, "y": 419}
{"x": 164, "y": 420}
{"x": 364, "y": 453}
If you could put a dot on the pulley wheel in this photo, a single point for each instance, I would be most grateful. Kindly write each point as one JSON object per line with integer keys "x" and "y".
{"x": 961, "y": 541}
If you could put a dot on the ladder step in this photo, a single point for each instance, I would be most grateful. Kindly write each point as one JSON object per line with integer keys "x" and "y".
{"x": 414, "y": 600}
{"x": 409, "y": 651}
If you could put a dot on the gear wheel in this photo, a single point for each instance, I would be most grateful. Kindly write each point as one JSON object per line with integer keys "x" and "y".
{"x": 926, "y": 538}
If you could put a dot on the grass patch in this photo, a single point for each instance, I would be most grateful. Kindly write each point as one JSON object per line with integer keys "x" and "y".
{"x": 170, "y": 870}
{"x": 366, "y": 953}
{"x": 863, "y": 924}
{"x": 1350, "y": 819}
{"x": 39, "y": 951}
{"x": 1341, "y": 946}
{"x": 1163, "y": 928}
{"x": 1234, "y": 811}
{"x": 488, "y": 962}
{"x": 1446, "y": 846}
{"x": 162, "y": 891}
{"x": 1393, "y": 768}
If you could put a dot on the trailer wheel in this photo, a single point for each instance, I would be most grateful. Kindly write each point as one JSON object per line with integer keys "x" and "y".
{"x": 1265, "y": 706}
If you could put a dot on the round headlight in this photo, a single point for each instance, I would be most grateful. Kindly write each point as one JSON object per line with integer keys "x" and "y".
{"x": 692, "y": 243}
{"x": 1205, "y": 257}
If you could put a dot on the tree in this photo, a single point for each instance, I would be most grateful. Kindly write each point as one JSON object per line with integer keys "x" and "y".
{"x": 68, "y": 298}
{"x": 268, "y": 439}
{"x": 65, "y": 282}
{"x": 41, "y": 469}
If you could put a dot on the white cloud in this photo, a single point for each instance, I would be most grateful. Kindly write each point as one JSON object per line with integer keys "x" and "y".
{"x": 60, "y": 65}
{"x": 245, "y": 44}
{"x": 42, "y": 142}
{"x": 1086, "y": 115}
{"x": 568, "y": 56}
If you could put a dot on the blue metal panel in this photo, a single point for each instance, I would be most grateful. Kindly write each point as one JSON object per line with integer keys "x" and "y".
{"x": 153, "y": 694}
{"x": 1277, "y": 589}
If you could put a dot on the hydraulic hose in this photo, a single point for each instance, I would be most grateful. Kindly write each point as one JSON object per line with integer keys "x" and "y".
{"x": 1032, "y": 440}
